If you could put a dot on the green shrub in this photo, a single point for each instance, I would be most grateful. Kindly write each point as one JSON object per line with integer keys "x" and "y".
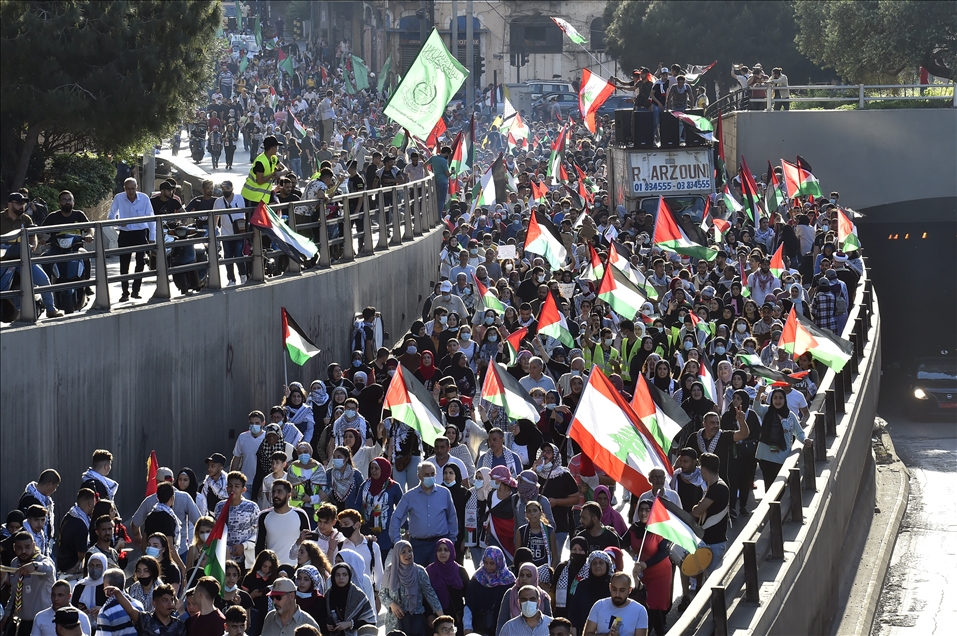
{"x": 88, "y": 177}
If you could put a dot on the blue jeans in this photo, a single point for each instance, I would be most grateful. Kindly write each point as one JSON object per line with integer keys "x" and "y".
{"x": 655, "y": 117}
{"x": 718, "y": 550}
{"x": 40, "y": 279}
{"x": 442, "y": 192}
{"x": 234, "y": 249}
{"x": 297, "y": 166}
{"x": 408, "y": 478}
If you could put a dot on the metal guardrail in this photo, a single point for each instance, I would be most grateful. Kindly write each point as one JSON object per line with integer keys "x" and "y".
{"x": 411, "y": 211}
{"x": 736, "y": 584}
{"x": 862, "y": 94}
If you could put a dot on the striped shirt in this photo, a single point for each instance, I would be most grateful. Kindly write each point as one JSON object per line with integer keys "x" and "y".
{"x": 113, "y": 619}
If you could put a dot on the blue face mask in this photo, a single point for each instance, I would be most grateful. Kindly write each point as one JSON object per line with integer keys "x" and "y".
{"x": 720, "y": 350}
{"x": 688, "y": 346}
{"x": 449, "y": 483}
{"x": 493, "y": 338}
{"x": 350, "y": 413}
{"x": 357, "y": 363}
{"x": 338, "y": 462}
{"x": 466, "y": 337}
{"x": 255, "y": 429}
{"x": 489, "y": 320}
{"x": 428, "y": 482}
{"x": 152, "y": 551}
{"x": 303, "y": 594}
{"x": 304, "y": 458}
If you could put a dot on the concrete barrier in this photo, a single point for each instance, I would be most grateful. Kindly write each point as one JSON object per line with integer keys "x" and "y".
{"x": 180, "y": 377}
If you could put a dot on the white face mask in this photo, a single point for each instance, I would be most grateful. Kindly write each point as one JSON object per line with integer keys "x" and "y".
{"x": 529, "y": 608}
{"x": 609, "y": 341}
{"x": 741, "y": 327}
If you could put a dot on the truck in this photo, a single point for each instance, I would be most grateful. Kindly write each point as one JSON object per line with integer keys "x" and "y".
{"x": 683, "y": 175}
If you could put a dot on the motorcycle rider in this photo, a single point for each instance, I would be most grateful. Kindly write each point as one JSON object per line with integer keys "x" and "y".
{"x": 61, "y": 242}
{"x": 11, "y": 222}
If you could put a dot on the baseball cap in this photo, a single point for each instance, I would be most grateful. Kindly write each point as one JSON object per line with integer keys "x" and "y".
{"x": 446, "y": 286}
{"x": 68, "y": 616}
{"x": 664, "y": 70}
{"x": 273, "y": 428}
{"x": 164, "y": 474}
{"x": 226, "y": 184}
{"x": 282, "y": 586}
{"x": 216, "y": 458}
{"x": 17, "y": 197}
{"x": 830, "y": 274}
{"x": 271, "y": 142}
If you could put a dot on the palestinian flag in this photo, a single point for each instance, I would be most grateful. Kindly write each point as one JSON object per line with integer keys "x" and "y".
{"x": 594, "y": 269}
{"x": 552, "y": 323}
{"x": 847, "y": 232}
{"x": 570, "y": 31}
{"x": 494, "y": 184}
{"x": 801, "y": 335}
{"x": 152, "y": 464}
{"x": 757, "y": 368}
{"x": 593, "y": 93}
{"x": 749, "y": 189}
{"x": 518, "y": 133}
{"x": 706, "y": 377}
{"x": 777, "y": 262}
{"x": 412, "y": 404}
{"x": 539, "y": 191}
{"x": 664, "y": 426}
{"x": 702, "y": 125}
{"x": 298, "y": 344}
{"x": 672, "y": 528}
{"x": 432, "y": 141}
{"x": 612, "y": 435}
{"x": 273, "y": 98}
{"x": 295, "y": 246}
{"x": 583, "y": 190}
{"x": 215, "y": 550}
{"x": 401, "y": 140}
{"x": 775, "y": 194}
{"x": 745, "y": 289}
{"x": 720, "y": 226}
{"x": 693, "y": 72}
{"x": 542, "y": 238}
{"x": 701, "y": 325}
{"x": 621, "y": 263}
{"x": 555, "y": 168}
{"x": 489, "y": 299}
{"x": 460, "y": 154}
{"x": 670, "y": 237}
{"x": 513, "y": 343}
{"x": 284, "y": 62}
{"x": 298, "y": 129}
{"x": 621, "y": 294}
{"x": 503, "y": 390}
{"x": 799, "y": 182}
{"x": 730, "y": 203}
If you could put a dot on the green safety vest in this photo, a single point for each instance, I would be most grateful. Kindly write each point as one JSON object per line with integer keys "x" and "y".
{"x": 254, "y": 192}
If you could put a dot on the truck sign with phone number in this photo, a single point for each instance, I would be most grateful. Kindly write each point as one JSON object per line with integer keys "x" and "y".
{"x": 680, "y": 170}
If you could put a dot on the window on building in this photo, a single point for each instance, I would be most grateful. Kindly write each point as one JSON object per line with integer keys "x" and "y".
{"x": 536, "y": 34}
{"x": 597, "y": 39}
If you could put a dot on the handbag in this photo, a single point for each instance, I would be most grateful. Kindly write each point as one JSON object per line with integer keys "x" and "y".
{"x": 402, "y": 461}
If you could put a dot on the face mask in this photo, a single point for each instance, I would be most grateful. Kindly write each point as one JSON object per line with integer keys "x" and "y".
{"x": 338, "y": 462}
{"x": 411, "y": 350}
{"x": 357, "y": 363}
{"x": 609, "y": 342}
{"x": 576, "y": 372}
{"x": 391, "y": 372}
{"x": 720, "y": 350}
{"x": 153, "y": 552}
{"x": 688, "y": 346}
{"x": 547, "y": 466}
{"x": 550, "y": 407}
{"x": 428, "y": 482}
{"x": 538, "y": 400}
{"x": 255, "y": 429}
{"x": 360, "y": 386}
{"x": 204, "y": 536}
{"x": 825, "y": 227}
{"x": 446, "y": 296}
{"x": 493, "y": 338}
{"x": 489, "y": 320}
{"x": 303, "y": 594}
{"x": 508, "y": 267}
{"x": 350, "y": 413}
{"x": 96, "y": 573}
{"x": 741, "y": 327}
{"x": 466, "y": 337}
{"x": 479, "y": 484}
{"x": 473, "y": 251}
{"x": 529, "y": 608}
{"x": 468, "y": 290}
{"x": 749, "y": 349}
{"x": 304, "y": 458}
{"x": 541, "y": 279}
{"x": 834, "y": 201}
{"x": 449, "y": 483}
{"x": 443, "y": 320}
{"x": 230, "y": 589}
{"x": 566, "y": 210}
{"x": 144, "y": 580}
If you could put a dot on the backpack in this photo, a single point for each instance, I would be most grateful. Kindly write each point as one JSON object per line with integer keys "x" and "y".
{"x": 840, "y": 305}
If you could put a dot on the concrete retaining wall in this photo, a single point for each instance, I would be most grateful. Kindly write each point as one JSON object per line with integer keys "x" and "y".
{"x": 180, "y": 377}
{"x": 872, "y": 157}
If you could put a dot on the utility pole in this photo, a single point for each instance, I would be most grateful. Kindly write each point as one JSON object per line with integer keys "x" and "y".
{"x": 455, "y": 29}
{"x": 469, "y": 55}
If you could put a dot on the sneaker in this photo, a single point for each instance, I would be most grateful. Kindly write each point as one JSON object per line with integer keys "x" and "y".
{"x": 124, "y": 297}
{"x": 230, "y": 283}
{"x": 54, "y": 313}
{"x": 683, "y": 605}
{"x": 136, "y": 294}
{"x": 242, "y": 279}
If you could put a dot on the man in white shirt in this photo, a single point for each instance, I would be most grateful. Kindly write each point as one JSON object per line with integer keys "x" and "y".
{"x": 60, "y": 597}
{"x": 530, "y": 621}
{"x": 619, "y": 613}
{"x": 536, "y": 377}
{"x": 247, "y": 443}
{"x": 131, "y": 204}
{"x": 281, "y": 526}
{"x": 228, "y": 225}
{"x": 443, "y": 457}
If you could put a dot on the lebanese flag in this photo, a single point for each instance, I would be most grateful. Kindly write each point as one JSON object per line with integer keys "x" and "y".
{"x": 846, "y": 232}
{"x": 503, "y": 390}
{"x": 799, "y": 181}
{"x": 594, "y": 270}
{"x": 671, "y": 527}
{"x": 621, "y": 294}
{"x": 489, "y": 300}
{"x": 670, "y": 237}
{"x": 542, "y": 238}
{"x": 295, "y": 246}
{"x": 660, "y": 413}
{"x": 412, "y": 404}
{"x": 298, "y": 344}
{"x": 215, "y": 550}
{"x": 706, "y": 377}
{"x": 151, "y": 465}
{"x": 612, "y": 435}
{"x": 513, "y": 343}
{"x": 777, "y": 262}
{"x": 800, "y": 335}
{"x": 552, "y": 323}
{"x": 593, "y": 93}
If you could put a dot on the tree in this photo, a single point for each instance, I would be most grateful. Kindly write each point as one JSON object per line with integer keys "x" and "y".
{"x": 102, "y": 75}
{"x": 643, "y": 33}
{"x": 874, "y": 42}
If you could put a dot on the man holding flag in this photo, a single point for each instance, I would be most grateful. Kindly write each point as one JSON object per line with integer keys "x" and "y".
{"x": 712, "y": 511}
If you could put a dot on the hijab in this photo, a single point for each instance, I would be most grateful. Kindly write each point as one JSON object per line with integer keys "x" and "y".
{"x": 318, "y": 396}
{"x": 384, "y": 482}
{"x": 513, "y": 605}
{"x": 663, "y": 383}
{"x": 696, "y": 408}
{"x": 501, "y": 576}
{"x": 555, "y": 469}
{"x": 357, "y": 436}
{"x": 427, "y": 370}
{"x": 487, "y": 484}
{"x": 772, "y": 427}
{"x": 444, "y": 575}
{"x": 338, "y": 596}
{"x": 528, "y": 435}
{"x": 589, "y": 581}
{"x": 457, "y": 420}
{"x": 88, "y": 596}
{"x": 567, "y": 580}
{"x": 313, "y": 573}
{"x": 609, "y": 516}
{"x": 528, "y": 486}
{"x": 405, "y": 577}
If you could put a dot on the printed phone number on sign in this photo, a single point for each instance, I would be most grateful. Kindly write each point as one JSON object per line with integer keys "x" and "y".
{"x": 666, "y": 186}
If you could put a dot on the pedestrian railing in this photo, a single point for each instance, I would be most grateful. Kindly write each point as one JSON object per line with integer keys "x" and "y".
{"x": 383, "y": 218}
{"x": 860, "y": 94}
{"x": 745, "y": 581}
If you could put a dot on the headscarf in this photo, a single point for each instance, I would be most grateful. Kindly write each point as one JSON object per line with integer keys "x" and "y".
{"x": 343, "y": 481}
{"x": 609, "y": 516}
{"x": 513, "y": 605}
{"x": 318, "y": 396}
{"x": 88, "y": 596}
{"x": 696, "y": 408}
{"x": 338, "y": 596}
{"x": 345, "y": 394}
{"x": 427, "y": 370}
{"x": 487, "y": 484}
{"x": 528, "y": 486}
{"x": 585, "y": 572}
{"x": 772, "y": 427}
{"x": 556, "y": 469}
{"x": 444, "y": 575}
{"x": 384, "y": 482}
{"x": 356, "y": 435}
{"x": 501, "y": 576}
{"x": 567, "y": 581}
{"x": 406, "y": 577}
{"x": 528, "y": 435}
{"x": 457, "y": 420}
{"x": 313, "y": 573}
{"x": 616, "y": 556}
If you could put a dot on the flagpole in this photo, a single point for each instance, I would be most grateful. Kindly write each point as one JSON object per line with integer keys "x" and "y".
{"x": 196, "y": 568}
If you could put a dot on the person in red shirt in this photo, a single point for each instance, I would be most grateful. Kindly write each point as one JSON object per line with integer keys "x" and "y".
{"x": 209, "y": 620}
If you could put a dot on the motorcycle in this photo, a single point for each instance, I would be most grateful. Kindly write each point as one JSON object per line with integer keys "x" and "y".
{"x": 69, "y": 272}
{"x": 197, "y": 148}
{"x": 178, "y": 253}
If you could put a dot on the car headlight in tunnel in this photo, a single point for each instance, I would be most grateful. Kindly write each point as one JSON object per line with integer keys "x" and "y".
{"x": 919, "y": 394}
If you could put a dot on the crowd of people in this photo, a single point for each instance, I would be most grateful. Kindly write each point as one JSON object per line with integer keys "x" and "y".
{"x": 338, "y": 516}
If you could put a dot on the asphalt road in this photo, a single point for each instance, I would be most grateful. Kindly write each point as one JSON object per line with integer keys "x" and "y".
{"x": 919, "y": 595}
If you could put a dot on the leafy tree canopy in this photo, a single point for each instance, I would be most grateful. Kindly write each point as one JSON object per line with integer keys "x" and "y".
{"x": 644, "y": 33}
{"x": 874, "y": 42}
{"x": 104, "y": 75}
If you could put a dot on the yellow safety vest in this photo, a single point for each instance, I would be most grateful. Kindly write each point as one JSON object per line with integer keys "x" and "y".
{"x": 254, "y": 192}
{"x": 594, "y": 355}
{"x": 628, "y": 350}
{"x": 297, "y": 500}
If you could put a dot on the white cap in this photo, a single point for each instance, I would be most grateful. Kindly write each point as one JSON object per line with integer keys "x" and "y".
{"x": 446, "y": 286}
